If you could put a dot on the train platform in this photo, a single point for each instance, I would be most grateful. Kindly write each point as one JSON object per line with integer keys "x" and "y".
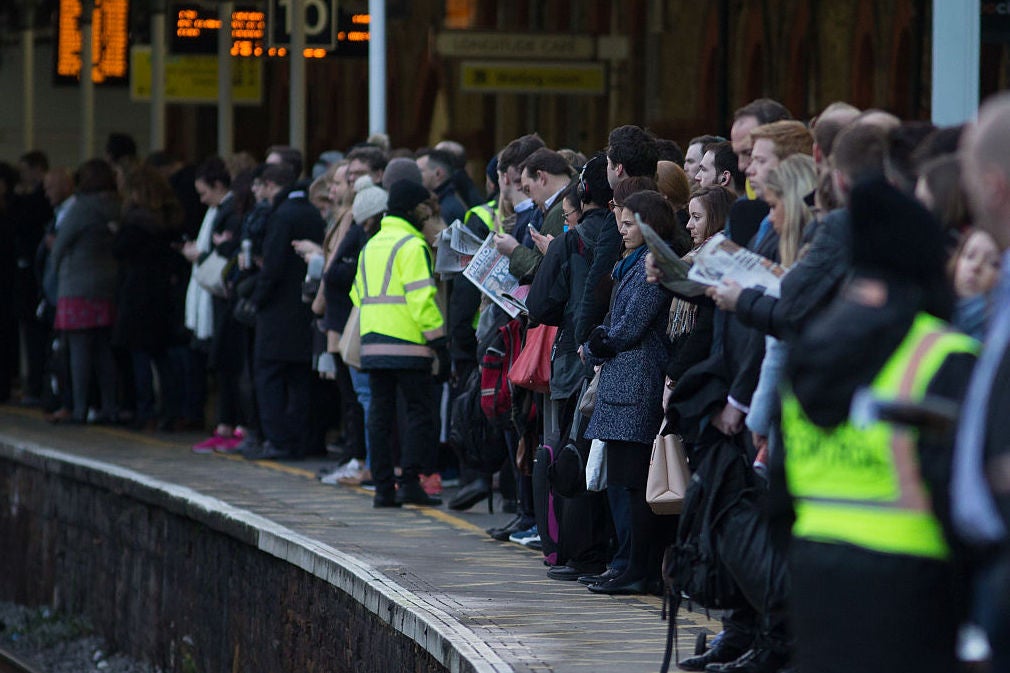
{"x": 492, "y": 602}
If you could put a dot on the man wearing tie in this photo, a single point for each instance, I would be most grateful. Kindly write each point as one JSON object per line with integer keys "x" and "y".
{"x": 981, "y": 480}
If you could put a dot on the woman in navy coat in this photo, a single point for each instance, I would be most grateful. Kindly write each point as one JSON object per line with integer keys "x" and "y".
{"x": 633, "y": 349}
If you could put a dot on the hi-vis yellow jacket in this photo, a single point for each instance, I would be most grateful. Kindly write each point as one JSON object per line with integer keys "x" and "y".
{"x": 395, "y": 292}
{"x": 862, "y": 486}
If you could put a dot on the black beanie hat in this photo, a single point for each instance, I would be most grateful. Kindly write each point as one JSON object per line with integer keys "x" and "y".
{"x": 896, "y": 236}
{"x": 404, "y": 197}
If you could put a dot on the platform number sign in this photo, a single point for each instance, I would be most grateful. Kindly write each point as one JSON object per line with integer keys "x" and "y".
{"x": 320, "y": 23}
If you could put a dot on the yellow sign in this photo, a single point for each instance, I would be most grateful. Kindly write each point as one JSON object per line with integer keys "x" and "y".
{"x": 192, "y": 78}
{"x": 531, "y": 46}
{"x": 109, "y": 29}
{"x": 516, "y": 77}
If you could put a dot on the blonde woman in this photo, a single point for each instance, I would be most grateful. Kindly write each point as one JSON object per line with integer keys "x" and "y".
{"x": 786, "y": 190}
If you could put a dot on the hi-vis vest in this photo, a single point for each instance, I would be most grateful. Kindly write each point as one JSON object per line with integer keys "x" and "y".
{"x": 862, "y": 486}
{"x": 487, "y": 213}
{"x": 395, "y": 293}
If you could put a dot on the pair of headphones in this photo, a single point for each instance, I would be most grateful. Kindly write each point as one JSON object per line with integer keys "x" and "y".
{"x": 582, "y": 189}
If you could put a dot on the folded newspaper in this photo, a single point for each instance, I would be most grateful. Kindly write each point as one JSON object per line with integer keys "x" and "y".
{"x": 454, "y": 248}
{"x": 675, "y": 270}
{"x": 489, "y": 271}
{"x": 720, "y": 259}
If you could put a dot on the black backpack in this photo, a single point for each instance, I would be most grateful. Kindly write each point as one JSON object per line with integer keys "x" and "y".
{"x": 479, "y": 444}
{"x": 692, "y": 569}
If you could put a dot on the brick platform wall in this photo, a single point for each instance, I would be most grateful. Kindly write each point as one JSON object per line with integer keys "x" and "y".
{"x": 187, "y": 595}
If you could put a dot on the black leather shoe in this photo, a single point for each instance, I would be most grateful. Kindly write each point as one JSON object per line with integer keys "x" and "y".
{"x": 517, "y": 524}
{"x": 385, "y": 500}
{"x": 719, "y": 654}
{"x": 413, "y": 494}
{"x": 618, "y": 587}
{"x": 752, "y": 661}
{"x": 470, "y": 495}
{"x": 566, "y": 573}
{"x": 266, "y": 451}
{"x": 609, "y": 574}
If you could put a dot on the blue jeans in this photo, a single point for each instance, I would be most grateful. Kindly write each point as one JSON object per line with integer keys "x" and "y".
{"x": 363, "y": 390}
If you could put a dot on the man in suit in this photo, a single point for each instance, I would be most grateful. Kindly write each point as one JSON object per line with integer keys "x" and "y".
{"x": 980, "y": 498}
{"x": 543, "y": 176}
{"x": 283, "y": 350}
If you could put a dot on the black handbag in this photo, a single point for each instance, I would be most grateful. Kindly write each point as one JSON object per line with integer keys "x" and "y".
{"x": 567, "y": 473}
{"x": 245, "y": 312}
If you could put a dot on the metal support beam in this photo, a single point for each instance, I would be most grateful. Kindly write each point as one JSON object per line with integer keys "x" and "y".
{"x": 377, "y": 66}
{"x": 956, "y": 52}
{"x": 225, "y": 104}
{"x": 297, "y": 91}
{"x": 87, "y": 83}
{"x": 158, "y": 50}
{"x": 28, "y": 75}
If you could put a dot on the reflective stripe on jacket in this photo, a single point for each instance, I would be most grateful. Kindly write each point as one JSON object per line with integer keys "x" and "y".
{"x": 862, "y": 486}
{"x": 487, "y": 214}
{"x": 395, "y": 292}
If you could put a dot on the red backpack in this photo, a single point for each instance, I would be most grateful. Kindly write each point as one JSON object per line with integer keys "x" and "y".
{"x": 495, "y": 388}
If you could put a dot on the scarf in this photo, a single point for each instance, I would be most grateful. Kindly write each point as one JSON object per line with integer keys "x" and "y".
{"x": 625, "y": 265}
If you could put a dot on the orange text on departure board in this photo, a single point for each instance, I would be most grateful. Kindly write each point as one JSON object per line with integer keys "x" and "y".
{"x": 109, "y": 39}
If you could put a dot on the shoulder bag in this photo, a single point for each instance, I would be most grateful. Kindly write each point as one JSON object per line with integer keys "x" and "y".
{"x": 350, "y": 339}
{"x": 588, "y": 401}
{"x": 209, "y": 274}
{"x": 668, "y": 475}
{"x": 532, "y": 369}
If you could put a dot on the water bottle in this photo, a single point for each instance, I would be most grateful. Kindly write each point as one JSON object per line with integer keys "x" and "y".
{"x": 246, "y": 253}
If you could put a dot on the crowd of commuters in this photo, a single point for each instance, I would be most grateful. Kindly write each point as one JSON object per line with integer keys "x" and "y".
{"x": 870, "y": 529}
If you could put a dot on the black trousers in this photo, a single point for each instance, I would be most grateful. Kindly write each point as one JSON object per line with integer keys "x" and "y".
{"x": 418, "y": 450}
{"x": 282, "y": 393}
{"x": 859, "y": 610}
{"x": 91, "y": 351}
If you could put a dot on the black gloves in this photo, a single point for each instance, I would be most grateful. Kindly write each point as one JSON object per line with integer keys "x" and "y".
{"x": 599, "y": 344}
{"x": 443, "y": 367}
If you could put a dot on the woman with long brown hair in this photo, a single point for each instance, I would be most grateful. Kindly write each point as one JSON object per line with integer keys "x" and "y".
{"x": 152, "y": 219}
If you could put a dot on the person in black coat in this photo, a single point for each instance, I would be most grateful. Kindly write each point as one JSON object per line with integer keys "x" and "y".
{"x": 226, "y": 354}
{"x": 145, "y": 325}
{"x": 907, "y": 590}
{"x": 980, "y": 491}
{"x": 283, "y": 346}
{"x": 31, "y": 213}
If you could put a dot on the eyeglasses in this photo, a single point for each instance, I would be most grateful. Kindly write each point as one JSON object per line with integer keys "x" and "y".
{"x": 569, "y": 213}
{"x": 611, "y": 204}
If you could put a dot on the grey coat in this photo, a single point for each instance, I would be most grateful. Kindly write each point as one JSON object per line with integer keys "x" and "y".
{"x": 629, "y": 400}
{"x": 82, "y": 251}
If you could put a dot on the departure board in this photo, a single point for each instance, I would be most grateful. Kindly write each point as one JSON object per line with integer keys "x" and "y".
{"x": 109, "y": 42}
{"x": 197, "y": 28}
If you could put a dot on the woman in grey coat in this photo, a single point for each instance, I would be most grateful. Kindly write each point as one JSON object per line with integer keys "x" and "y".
{"x": 87, "y": 275}
{"x": 633, "y": 348}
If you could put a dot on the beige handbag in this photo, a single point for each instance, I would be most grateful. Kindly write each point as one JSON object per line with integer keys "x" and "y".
{"x": 209, "y": 274}
{"x": 350, "y": 339}
{"x": 588, "y": 401}
{"x": 669, "y": 475}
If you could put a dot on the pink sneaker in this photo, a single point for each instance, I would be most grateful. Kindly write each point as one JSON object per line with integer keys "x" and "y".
{"x": 228, "y": 444}
{"x": 431, "y": 483}
{"x": 210, "y": 444}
